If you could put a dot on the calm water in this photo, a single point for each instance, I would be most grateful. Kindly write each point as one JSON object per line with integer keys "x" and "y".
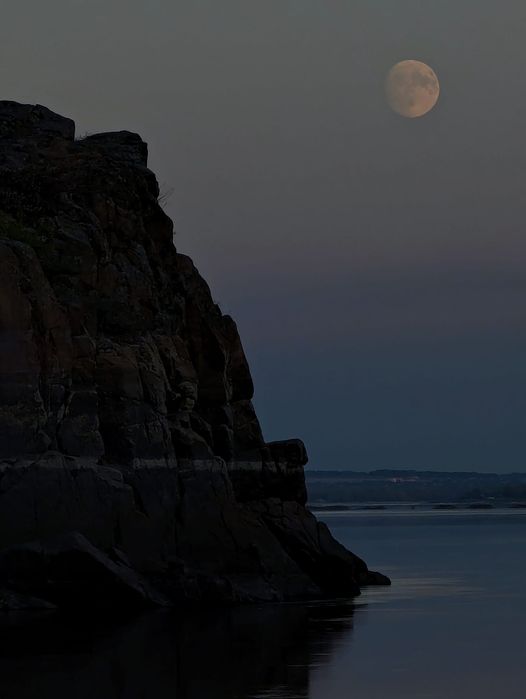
{"x": 452, "y": 625}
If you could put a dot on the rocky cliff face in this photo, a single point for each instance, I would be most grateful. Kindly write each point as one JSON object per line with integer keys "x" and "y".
{"x": 125, "y": 393}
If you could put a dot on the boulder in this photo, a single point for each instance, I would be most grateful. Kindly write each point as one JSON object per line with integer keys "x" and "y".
{"x": 70, "y": 572}
{"x": 33, "y": 121}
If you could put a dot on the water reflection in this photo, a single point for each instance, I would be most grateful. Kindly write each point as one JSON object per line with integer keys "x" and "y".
{"x": 234, "y": 654}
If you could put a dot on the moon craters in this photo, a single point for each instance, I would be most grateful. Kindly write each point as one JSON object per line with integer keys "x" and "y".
{"x": 412, "y": 88}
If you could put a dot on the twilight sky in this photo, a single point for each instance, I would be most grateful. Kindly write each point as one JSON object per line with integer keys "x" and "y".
{"x": 376, "y": 265}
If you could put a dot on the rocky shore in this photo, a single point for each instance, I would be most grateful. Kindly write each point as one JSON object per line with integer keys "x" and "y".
{"x": 133, "y": 470}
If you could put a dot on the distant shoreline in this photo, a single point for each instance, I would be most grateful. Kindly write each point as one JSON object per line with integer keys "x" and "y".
{"x": 441, "y": 489}
{"x": 415, "y": 507}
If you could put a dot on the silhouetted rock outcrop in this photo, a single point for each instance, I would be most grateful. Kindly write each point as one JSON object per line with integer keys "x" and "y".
{"x": 125, "y": 393}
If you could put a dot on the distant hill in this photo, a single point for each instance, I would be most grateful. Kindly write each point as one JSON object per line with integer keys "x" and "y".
{"x": 392, "y": 485}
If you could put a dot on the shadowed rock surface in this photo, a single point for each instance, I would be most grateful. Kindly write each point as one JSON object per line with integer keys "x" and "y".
{"x": 125, "y": 393}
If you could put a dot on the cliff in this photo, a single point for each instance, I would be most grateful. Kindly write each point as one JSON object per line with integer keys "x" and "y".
{"x": 131, "y": 457}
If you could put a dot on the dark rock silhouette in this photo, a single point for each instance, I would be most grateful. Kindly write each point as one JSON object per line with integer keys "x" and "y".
{"x": 69, "y": 570}
{"x": 125, "y": 393}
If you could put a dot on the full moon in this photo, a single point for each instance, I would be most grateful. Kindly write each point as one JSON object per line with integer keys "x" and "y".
{"x": 412, "y": 88}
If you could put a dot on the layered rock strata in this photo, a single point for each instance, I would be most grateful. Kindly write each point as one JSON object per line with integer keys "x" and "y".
{"x": 125, "y": 394}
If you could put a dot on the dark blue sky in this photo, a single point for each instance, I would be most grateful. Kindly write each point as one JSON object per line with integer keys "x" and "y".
{"x": 375, "y": 265}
